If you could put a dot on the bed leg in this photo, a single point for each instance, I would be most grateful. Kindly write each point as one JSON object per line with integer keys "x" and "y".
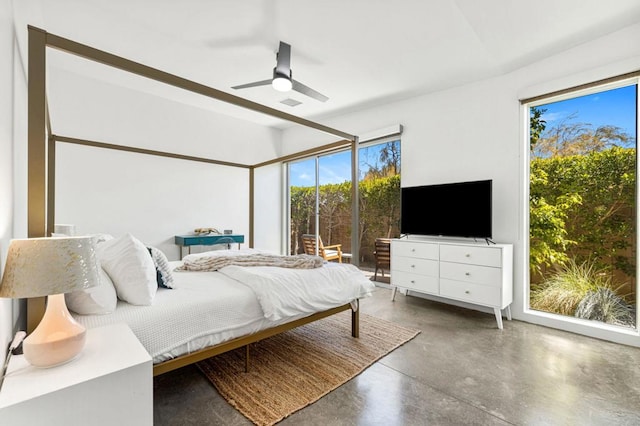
{"x": 355, "y": 322}
{"x": 246, "y": 358}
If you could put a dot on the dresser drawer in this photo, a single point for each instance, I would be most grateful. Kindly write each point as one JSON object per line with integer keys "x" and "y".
{"x": 471, "y": 273}
{"x": 474, "y": 293}
{"x": 414, "y": 249}
{"x": 485, "y": 256}
{"x": 421, "y": 283}
{"x": 414, "y": 265}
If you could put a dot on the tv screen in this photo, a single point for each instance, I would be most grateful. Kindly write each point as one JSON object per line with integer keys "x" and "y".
{"x": 461, "y": 209}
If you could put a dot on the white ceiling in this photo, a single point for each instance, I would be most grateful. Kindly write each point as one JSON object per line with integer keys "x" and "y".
{"x": 359, "y": 53}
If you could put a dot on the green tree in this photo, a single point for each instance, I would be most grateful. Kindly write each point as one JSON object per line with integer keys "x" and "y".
{"x": 570, "y": 137}
{"x": 583, "y": 207}
{"x": 582, "y": 193}
{"x": 548, "y": 237}
{"x": 379, "y": 211}
{"x": 390, "y": 158}
{"x": 335, "y": 203}
{"x": 302, "y": 214}
{"x": 536, "y": 125}
{"x": 387, "y": 163}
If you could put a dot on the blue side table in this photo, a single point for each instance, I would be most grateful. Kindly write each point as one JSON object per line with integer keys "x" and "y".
{"x": 207, "y": 240}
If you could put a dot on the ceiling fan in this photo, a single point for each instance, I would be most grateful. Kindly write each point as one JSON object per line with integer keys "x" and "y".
{"x": 282, "y": 77}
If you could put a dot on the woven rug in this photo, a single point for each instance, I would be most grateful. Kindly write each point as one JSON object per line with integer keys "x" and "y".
{"x": 289, "y": 371}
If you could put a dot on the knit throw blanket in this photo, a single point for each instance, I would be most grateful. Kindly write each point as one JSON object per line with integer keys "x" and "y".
{"x": 215, "y": 262}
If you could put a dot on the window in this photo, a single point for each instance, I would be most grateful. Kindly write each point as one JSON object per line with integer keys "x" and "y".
{"x": 583, "y": 206}
{"x": 320, "y": 201}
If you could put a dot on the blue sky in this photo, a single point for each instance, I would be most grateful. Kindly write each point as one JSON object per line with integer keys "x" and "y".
{"x": 334, "y": 168}
{"x": 615, "y": 107}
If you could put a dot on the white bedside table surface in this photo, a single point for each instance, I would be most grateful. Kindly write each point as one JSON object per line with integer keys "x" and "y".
{"x": 108, "y": 349}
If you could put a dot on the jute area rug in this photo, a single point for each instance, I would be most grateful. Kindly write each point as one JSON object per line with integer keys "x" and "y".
{"x": 289, "y": 371}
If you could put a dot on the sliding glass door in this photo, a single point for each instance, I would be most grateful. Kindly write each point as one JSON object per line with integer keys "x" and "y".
{"x": 379, "y": 207}
{"x": 320, "y": 202}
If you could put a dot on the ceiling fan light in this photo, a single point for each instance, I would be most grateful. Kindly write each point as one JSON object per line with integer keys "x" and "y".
{"x": 281, "y": 83}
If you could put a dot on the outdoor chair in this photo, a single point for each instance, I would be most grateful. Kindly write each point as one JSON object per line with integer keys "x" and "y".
{"x": 331, "y": 252}
{"x": 383, "y": 255}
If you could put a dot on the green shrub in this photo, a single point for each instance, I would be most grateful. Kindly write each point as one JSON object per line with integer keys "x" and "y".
{"x": 606, "y": 306}
{"x": 563, "y": 291}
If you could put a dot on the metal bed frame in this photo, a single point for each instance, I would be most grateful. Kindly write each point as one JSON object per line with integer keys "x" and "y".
{"x": 41, "y": 168}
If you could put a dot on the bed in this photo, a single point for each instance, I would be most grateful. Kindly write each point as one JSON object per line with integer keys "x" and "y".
{"x": 202, "y": 313}
{"x": 41, "y": 212}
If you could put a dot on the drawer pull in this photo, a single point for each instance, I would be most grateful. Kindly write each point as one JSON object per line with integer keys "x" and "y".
{"x": 413, "y": 266}
{"x": 467, "y": 273}
{"x": 467, "y": 292}
{"x": 467, "y": 255}
{"x": 413, "y": 282}
{"x": 413, "y": 250}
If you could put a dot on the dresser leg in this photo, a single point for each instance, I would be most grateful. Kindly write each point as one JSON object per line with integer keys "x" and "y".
{"x": 393, "y": 293}
{"x": 509, "y": 312}
{"x": 498, "y": 313}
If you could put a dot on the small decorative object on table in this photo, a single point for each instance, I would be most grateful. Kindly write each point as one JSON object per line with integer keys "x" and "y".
{"x": 205, "y": 231}
{"x": 228, "y": 231}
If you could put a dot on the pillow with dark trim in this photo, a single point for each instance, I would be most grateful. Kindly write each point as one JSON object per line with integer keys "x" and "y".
{"x": 163, "y": 269}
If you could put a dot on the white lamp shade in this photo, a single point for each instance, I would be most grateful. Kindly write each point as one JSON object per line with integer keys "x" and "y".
{"x": 42, "y": 266}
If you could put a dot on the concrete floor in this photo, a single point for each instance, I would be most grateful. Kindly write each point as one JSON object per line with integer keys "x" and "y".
{"x": 461, "y": 370}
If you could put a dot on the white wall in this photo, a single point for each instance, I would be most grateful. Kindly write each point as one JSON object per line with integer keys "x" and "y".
{"x": 6, "y": 160}
{"x": 477, "y": 131}
{"x": 96, "y": 110}
{"x": 154, "y": 198}
{"x": 269, "y": 214}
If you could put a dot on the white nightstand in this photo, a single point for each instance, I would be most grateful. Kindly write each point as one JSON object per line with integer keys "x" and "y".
{"x": 110, "y": 383}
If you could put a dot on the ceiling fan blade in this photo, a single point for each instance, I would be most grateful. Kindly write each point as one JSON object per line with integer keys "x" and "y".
{"x": 306, "y": 90}
{"x": 254, "y": 84}
{"x": 283, "y": 59}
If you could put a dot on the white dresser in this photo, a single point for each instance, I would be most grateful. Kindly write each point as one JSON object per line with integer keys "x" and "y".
{"x": 476, "y": 273}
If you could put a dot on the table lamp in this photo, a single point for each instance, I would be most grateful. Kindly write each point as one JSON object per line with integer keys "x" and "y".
{"x": 50, "y": 267}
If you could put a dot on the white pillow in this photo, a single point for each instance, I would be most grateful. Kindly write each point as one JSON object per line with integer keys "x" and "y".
{"x": 97, "y": 300}
{"x": 127, "y": 261}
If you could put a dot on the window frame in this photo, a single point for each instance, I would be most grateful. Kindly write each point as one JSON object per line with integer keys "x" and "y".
{"x": 618, "y": 334}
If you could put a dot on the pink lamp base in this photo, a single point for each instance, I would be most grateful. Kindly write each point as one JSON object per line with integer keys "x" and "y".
{"x": 58, "y": 339}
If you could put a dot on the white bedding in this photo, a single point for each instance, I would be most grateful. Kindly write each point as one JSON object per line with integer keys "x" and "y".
{"x": 283, "y": 292}
{"x": 208, "y": 308}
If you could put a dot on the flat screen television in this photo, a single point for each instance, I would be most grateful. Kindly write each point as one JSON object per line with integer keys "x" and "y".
{"x": 460, "y": 209}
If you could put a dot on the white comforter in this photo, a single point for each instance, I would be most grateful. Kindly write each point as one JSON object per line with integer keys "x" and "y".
{"x": 208, "y": 308}
{"x": 284, "y": 292}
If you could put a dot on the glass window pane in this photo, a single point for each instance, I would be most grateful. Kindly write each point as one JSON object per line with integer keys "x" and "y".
{"x": 583, "y": 207}
{"x": 379, "y": 191}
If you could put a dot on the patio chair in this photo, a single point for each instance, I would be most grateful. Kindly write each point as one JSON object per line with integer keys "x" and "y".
{"x": 383, "y": 255}
{"x": 331, "y": 252}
